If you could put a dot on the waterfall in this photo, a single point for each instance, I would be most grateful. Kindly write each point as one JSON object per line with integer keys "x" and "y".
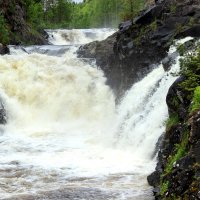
{"x": 77, "y": 36}
{"x": 66, "y": 136}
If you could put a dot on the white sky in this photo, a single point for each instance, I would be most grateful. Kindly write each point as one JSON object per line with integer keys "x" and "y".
{"x": 78, "y": 0}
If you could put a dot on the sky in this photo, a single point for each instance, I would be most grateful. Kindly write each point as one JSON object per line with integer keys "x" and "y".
{"x": 78, "y": 0}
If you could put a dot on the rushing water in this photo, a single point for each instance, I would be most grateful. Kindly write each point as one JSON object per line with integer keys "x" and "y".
{"x": 65, "y": 137}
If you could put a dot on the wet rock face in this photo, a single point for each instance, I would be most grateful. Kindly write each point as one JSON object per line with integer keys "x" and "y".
{"x": 3, "y": 116}
{"x": 130, "y": 54}
{"x": 177, "y": 174}
{"x": 176, "y": 99}
{"x": 3, "y": 49}
{"x": 106, "y": 59}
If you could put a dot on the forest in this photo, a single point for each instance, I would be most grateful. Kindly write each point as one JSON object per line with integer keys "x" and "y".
{"x": 90, "y": 13}
{"x": 53, "y": 14}
{"x": 41, "y": 14}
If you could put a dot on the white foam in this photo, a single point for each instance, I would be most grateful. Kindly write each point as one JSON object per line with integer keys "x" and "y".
{"x": 78, "y": 36}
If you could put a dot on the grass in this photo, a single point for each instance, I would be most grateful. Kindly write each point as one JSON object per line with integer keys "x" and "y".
{"x": 172, "y": 120}
{"x": 196, "y": 99}
{"x": 181, "y": 49}
{"x": 4, "y": 32}
{"x": 173, "y": 8}
{"x": 190, "y": 69}
{"x": 164, "y": 188}
{"x": 180, "y": 152}
{"x": 154, "y": 26}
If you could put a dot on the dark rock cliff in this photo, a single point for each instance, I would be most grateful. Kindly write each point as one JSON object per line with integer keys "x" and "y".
{"x": 177, "y": 174}
{"x": 133, "y": 51}
{"x": 19, "y": 31}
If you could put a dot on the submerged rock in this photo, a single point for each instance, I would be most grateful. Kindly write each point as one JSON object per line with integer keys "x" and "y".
{"x": 3, "y": 49}
{"x": 169, "y": 61}
{"x": 3, "y": 116}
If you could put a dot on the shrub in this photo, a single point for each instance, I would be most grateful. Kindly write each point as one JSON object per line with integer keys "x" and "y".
{"x": 164, "y": 187}
{"x": 181, "y": 49}
{"x": 190, "y": 69}
{"x": 180, "y": 152}
{"x": 4, "y": 33}
{"x": 196, "y": 99}
{"x": 172, "y": 120}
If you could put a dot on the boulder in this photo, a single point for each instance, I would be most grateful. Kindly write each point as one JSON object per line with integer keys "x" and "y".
{"x": 169, "y": 61}
{"x": 3, "y": 116}
{"x": 3, "y": 49}
{"x": 154, "y": 179}
{"x": 177, "y": 100}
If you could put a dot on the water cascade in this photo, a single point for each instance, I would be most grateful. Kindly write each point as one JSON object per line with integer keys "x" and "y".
{"x": 65, "y": 137}
{"x": 76, "y": 36}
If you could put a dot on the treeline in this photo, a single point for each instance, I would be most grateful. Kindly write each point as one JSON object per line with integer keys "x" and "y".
{"x": 49, "y": 13}
{"x": 104, "y": 13}
{"x": 41, "y": 14}
{"x": 90, "y": 13}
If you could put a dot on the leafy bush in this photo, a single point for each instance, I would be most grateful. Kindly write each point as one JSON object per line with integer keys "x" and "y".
{"x": 180, "y": 152}
{"x": 181, "y": 49}
{"x": 4, "y": 33}
{"x": 196, "y": 99}
{"x": 190, "y": 69}
{"x": 172, "y": 120}
{"x": 35, "y": 13}
{"x": 164, "y": 187}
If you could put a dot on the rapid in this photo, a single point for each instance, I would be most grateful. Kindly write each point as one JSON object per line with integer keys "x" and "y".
{"x": 65, "y": 137}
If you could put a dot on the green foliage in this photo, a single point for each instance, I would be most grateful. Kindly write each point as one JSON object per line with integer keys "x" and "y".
{"x": 154, "y": 25}
{"x": 191, "y": 22}
{"x": 54, "y": 16}
{"x": 190, "y": 69}
{"x": 181, "y": 49}
{"x": 179, "y": 28}
{"x": 4, "y": 33}
{"x": 196, "y": 99}
{"x": 95, "y": 13}
{"x": 131, "y": 8}
{"x": 40, "y": 14}
{"x": 164, "y": 188}
{"x": 173, "y": 8}
{"x": 180, "y": 152}
{"x": 172, "y": 120}
{"x": 141, "y": 33}
{"x": 35, "y": 14}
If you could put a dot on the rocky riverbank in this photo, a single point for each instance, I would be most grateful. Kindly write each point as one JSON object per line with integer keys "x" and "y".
{"x": 177, "y": 174}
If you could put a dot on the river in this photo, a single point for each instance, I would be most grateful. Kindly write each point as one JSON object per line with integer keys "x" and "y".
{"x": 65, "y": 137}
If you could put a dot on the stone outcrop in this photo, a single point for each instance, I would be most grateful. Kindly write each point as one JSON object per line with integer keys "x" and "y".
{"x": 3, "y": 116}
{"x": 19, "y": 31}
{"x": 3, "y": 49}
{"x": 132, "y": 52}
{"x": 177, "y": 174}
